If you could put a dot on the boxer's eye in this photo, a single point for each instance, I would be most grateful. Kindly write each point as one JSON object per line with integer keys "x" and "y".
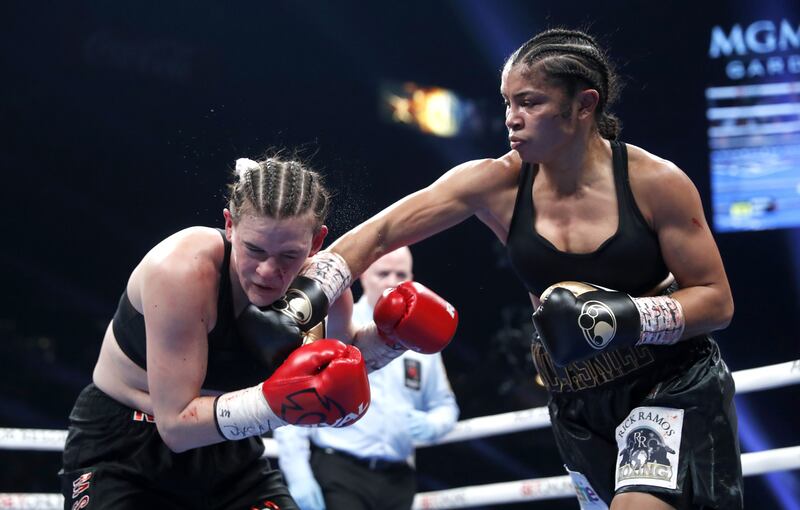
{"x": 253, "y": 248}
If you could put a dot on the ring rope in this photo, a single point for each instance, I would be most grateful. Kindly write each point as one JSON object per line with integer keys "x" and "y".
{"x": 554, "y": 487}
{"x": 750, "y": 380}
{"x": 557, "y": 487}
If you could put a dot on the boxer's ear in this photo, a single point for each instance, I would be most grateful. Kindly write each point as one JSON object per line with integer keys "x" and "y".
{"x": 319, "y": 238}
{"x": 588, "y": 100}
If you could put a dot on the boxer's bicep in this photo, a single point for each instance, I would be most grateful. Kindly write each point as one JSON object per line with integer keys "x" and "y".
{"x": 176, "y": 311}
{"x": 691, "y": 254}
{"x": 687, "y": 244}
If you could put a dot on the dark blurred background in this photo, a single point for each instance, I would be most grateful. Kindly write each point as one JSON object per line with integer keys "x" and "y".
{"x": 121, "y": 122}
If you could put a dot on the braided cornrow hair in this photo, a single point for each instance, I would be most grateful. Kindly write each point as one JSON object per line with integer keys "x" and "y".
{"x": 277, "y": 188}
{"x": 574, "y": 60}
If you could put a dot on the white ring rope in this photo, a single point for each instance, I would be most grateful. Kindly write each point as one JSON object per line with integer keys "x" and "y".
{"x": 32, "y": 501}
{"x": 754, "y": 379}
{"x": 554, "y": 487}
{"x": 557, "y": 487}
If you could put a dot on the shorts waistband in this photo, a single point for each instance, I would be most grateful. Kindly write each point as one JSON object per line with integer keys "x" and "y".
{"x": 614, "y": 366}
{"x": 93, "y": 395}
{"x": 94, "y": 399}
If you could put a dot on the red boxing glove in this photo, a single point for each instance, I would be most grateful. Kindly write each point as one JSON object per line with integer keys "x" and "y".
{"x": 320, "y": 384}
{"x": 324, "y": 382}
{"x": 413, "y": 316}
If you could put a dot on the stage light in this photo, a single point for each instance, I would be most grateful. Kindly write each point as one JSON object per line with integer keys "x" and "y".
{"x": 432, "y": 110}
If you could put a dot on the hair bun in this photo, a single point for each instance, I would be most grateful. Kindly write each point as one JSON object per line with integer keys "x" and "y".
{"x": 243, "y": 165}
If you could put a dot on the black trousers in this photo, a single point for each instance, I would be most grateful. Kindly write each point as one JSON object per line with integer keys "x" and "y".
{"x": 115, "y": 458}
{"x": 349, "y": 483}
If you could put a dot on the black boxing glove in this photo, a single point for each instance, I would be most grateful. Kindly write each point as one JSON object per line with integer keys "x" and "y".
{"x": 304, "y": 303}
{"x": 272, "y": 332}
{"x": 576, "y": 321}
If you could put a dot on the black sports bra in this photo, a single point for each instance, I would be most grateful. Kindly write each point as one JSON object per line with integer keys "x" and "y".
{"x": 629, "y": 261}
{"x": 230, "y": 364}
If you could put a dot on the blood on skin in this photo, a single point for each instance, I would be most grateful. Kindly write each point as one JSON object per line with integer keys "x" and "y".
{"x": 191, "y": 413}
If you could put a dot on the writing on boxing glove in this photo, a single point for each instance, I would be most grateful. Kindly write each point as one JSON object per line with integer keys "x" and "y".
{"x": 576, "y": 320}
{"x": 320, "y": 384}
{"x": 323, "y": 383}
{"x": 414, "y": 317}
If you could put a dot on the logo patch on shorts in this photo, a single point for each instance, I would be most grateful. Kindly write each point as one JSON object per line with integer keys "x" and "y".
{"x": 413, "y": 373}
{"x": 141, "y": 416}
{"x": 587, "y": 497}
{"x": 649, "y": 445}
{"x": 266, "y": 505}
{"x": 79, "y": 486}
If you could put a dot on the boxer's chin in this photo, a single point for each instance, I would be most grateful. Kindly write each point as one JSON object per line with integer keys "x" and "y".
{"x": 263, "y": 296}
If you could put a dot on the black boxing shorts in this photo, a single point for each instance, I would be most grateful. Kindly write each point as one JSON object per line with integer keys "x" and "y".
{"x": 115, "y": 458}
{"x": 669, "y": 431}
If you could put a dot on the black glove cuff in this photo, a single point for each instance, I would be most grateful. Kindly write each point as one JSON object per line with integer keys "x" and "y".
{"x": 304, "y": 302}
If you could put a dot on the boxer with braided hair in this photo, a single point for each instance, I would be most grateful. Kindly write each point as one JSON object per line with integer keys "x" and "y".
{"x": 573, "y": 59}
{"x": 164, "y": 423}
{"x": 641, "y": 401}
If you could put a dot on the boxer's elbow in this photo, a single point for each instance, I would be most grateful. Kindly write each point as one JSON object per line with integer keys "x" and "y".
{"x": 723, "y": 310}
{"x": 175, "y": 435}
{"x": 726, "y": 314}
{"x": 706, "y": 309}
{"x": 173, "y": 438}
